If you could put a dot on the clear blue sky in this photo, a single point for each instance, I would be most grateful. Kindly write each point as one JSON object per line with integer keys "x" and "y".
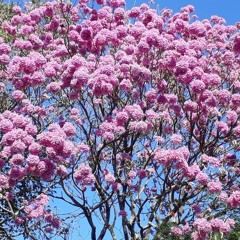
{"x": 228, "y": 9}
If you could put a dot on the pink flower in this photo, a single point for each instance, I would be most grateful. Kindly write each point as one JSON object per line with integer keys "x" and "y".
{"x": 56, "y": 223}
{"x": 122, "y": 118}
{"x": 69, "y": 129}
{"x": 18, "y": 221}
{"x": 236, "y": 45}
{"x": 31, "y": 129}
{"x": 202, "y": 178}
{"x": 48, "y": 229}
{"x": 223, "y": 96}
{"x": 42, "y": 167}
{"x": 53, "y": 87}
{"x": 210, "y": 160}
{"x": 109, "y": 178}
{"x": 138, "y": 126}
{"x": 231, "y": 222}
{"x": 6, "y": 125}
{"x": 89, "y": 179}
{"x": 222, "y": 127}
{"x": 20, "y": 121}
{"x": 6, "y": 152}
{"x": 46, "y": 169}
{"x": 34, "y": 149}
{"x": 2, "y": 163}
{"x": 83, "y": 147}
{"x": 84, "y": 175}
{"x": 74, "y": 111}
{"x": 17, "y": 10}
{"x": 17, "y": 173}
{"x": 177, "y": 231}
{"x": 4, "y": 59}
{"x": 197, "y": 28}
{"x": 48, "y": 217}
{"x": 192, "y": 171}
{"x": 151, "y": 95}
{"x": 169, "y": 59}
{"x": 116, "y": 3}
{"x": 122, "y": 213}
{"x": 214, "y": 187}
{"x": 143, "y": 47}
{"x": 134, "y": 111}
{"x": 3, "y": 181}
{"x": 182, "y": 67}
{"x": 235, "y": 100}
{"x": 134, "y": 12}
{"x": 125, "y": 85}
{"x": 236, "y": 131}
{"x": 37, "y": 78}
{"x": 196, "y": 209}
{"x": 86, "y": 34}
{"x": 108, "y": 136}
{"x": 197, "y": 86}
{"x": 33, "y": 160}
{"x": 4, "y": 48}
{"x": 234, "y": 199}
{"x": 186, "y": 228}
{"x": 51, "y": 72}
{"x": 80, "y": 77}
{"x": 225, "y": 228}
{"x": 176, "y": 139}
{"x": 142, "y": 173}
{"x": 172, "y": 99}
{"x": 43, "y": 199}
{"x": 132, "y": 174}
{"x": 17, "y": 159}
{"x": 220, "y": 225}
{"x": 202, "y": 225}
{"x": 231, "y": 117}
{"x": 18, "y": 147}
{"x": 223, "y": 196}
{"x": 116, "y": 186}
{"x": 191, "y": 106}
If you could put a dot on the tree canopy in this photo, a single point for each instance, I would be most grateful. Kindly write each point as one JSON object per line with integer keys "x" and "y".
{"x": 123, "y": 123}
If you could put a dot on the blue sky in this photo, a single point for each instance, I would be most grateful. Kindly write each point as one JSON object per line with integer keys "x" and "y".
{"x": 228, "y": 9}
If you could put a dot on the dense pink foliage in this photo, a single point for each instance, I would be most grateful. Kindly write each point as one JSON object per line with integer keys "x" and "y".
{"x": 134, "y": 109}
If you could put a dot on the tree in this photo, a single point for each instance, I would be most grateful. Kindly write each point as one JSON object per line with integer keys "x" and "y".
{"x": 130, "y": 118}
{"x": 5, "y": 14}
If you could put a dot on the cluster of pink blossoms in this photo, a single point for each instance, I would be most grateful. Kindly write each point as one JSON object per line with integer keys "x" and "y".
{"x": 203, "y": 228}
{"x": 84, "y": 175}
{"x": 20, "y": 136}
{"x": 36, "y": 208}
{"x": 29, "y": 153}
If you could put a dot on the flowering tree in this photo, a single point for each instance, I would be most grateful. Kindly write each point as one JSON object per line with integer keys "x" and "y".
{"x": 131, "y": 118}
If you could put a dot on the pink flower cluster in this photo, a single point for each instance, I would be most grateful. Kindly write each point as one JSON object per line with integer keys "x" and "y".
{"x": 178, "y": 157}
{"x": 234, "y": 200}
{"x": 214, "y": 187}
{"x": 83, "y": 175}
{"x": 203, "y": 227}
{"x": 20, "y": 138}
{"x": 122, "y": 213}
{"x": 35, "y": 209}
